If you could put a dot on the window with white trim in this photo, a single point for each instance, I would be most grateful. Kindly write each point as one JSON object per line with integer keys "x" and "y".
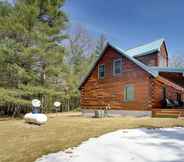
{"x": 117, "y": 66}
{"x": 101, "y": 71}
{"x": 129, "y": 93}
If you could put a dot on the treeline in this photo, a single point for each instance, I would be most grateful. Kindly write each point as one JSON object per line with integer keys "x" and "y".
{"x": 41, "y": 56}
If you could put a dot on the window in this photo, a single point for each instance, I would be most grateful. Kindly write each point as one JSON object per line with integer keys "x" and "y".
{"x": 117, "y": 66}
{"x": 101, "y": 71}
{"x": 129, "y": 93}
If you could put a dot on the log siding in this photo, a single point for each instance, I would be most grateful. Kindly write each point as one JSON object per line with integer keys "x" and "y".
{"x": 97, "y": 93}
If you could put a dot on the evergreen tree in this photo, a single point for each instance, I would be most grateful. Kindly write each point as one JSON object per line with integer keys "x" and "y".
{"x": 34, "y": 60}
{"x": 31, "y": 53}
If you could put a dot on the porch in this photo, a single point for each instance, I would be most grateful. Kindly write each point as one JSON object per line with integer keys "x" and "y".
{"x": 172, "y": 102}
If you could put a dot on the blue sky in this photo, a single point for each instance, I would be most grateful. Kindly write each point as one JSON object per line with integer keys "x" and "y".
{"x": 128, "y": 23}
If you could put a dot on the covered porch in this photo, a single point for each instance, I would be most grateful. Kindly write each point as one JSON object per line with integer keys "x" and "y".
{"x": 172, "y": 104}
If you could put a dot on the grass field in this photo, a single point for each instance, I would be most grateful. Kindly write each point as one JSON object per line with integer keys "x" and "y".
{"x": 21, "y": 142}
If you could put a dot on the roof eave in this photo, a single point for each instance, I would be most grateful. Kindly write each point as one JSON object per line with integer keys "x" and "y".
{"x": 168, "y": 69}
{"x": 169, "y": 83}
{"x": 147, "y": 53}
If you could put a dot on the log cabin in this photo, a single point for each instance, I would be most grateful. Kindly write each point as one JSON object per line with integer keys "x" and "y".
{"x": 135, "y": 82}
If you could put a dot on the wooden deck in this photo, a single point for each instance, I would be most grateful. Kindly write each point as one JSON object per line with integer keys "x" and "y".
{"x": 172, "y": 112}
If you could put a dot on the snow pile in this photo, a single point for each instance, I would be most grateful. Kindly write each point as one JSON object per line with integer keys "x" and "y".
{"x": 130, "y": 145}
{"x": 35, "y": 118}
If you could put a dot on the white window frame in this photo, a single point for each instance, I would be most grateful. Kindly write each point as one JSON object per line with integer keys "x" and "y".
{"x": 99, "y": 77}
{"x": 125, "y": 93}
{"x": 114, "y": 62}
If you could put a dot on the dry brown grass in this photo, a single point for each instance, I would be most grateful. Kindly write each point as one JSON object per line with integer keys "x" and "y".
{"x": 21, "y": 142}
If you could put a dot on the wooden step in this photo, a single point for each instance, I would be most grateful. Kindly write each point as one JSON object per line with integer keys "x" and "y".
{"x": 168, "y": 113}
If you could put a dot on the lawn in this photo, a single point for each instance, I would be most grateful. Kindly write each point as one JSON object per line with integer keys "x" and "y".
{"x": 21, "y": 142}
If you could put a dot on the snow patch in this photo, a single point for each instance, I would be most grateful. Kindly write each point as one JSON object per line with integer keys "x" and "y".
{"x": 129, "y": 145}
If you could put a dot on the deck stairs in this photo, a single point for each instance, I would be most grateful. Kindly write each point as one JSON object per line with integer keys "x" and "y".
{"x": 174, "y": 113}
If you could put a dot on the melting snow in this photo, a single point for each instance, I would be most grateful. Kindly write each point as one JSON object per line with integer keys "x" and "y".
{"x": 129, "y": 145}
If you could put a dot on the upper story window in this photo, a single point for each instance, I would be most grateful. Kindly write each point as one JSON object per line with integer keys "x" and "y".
{"x": 129, "y": 93}
{"x": 101, "y": 71}
{"x": 117, "y": 66}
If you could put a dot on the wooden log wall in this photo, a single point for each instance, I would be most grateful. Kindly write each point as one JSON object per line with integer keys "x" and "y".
{"x": 97, "y": 93}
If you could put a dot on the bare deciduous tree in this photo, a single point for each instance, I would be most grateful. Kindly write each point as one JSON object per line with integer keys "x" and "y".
{"x": 177, "y": 61}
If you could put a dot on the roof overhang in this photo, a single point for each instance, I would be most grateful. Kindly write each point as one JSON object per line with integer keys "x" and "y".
{"x": 147, "y": 53}
{"x": 169, "y": 83}
{"x": 168, "y": 69}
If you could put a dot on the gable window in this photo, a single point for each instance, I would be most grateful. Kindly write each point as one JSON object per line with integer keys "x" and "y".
{"x": 101, "y": 71}
{"x": 117, "y": 66}
{"x": 129, "y": 93}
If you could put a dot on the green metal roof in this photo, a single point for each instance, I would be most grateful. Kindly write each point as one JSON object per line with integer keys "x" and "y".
{"x": 145, "y": 49}
{"x": 167, "y": 69}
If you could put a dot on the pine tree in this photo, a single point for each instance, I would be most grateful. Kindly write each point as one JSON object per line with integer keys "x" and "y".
{"x": 33, "y": 59}
{"x": 31, "y": 50}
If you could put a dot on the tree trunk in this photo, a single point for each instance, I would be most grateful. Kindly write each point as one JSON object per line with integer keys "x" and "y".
{"x": 43, "y": 74}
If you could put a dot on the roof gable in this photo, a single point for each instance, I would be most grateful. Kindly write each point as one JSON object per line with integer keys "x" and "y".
{"x": 123, "y": 53}
{"x": 153, "y": 71}
{"x": 145, "y": 49}
{"x": 140, "y": 64}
